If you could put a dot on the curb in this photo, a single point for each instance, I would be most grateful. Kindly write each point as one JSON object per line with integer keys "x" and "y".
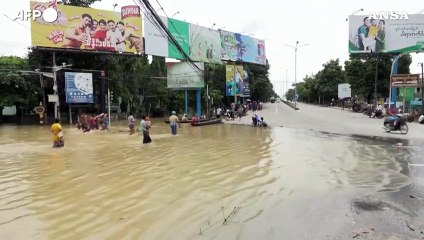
{"x": 291, "y": 105}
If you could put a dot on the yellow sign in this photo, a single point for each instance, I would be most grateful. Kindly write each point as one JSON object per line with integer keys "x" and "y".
{"x": 88, "y": 29}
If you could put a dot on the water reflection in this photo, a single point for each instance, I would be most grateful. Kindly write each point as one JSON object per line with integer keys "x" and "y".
{"x": 108, "y": 185}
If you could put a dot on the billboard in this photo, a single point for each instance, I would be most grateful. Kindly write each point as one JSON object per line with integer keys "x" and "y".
{"x": 88, "y": 29}
{"x": 238, "y": 47}
{"x": 368, "y": 35}
{"x": 205, "y": 44}
{"x": 181, "y": 32}
{"x": 344, "y": 91}
{"x": 79, "y": 87}
{"x": 156, "y": 42}
{"x": 180, "y": 75}
{"x": 235, "y": 81}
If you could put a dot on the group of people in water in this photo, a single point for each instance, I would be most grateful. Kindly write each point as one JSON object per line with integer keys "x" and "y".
{"x": 87, "y": 123}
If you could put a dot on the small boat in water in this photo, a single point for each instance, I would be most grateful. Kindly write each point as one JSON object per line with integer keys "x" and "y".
{"x": 207, "y": 122}
{"x": 187, "y": 121}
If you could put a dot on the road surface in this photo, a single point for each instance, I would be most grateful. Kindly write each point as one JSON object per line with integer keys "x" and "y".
{"x": 326, "y": 119}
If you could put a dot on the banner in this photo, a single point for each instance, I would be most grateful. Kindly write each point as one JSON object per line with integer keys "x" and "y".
{"x": 88, "y": 29}
{"x": 238, "y": 47}
{"x": 79, "y": 87}
{"x": 368, "y": 35}
{"x": 156, "y": 42}
{"x": 205, "y": 44}
{"x": 234, "y": 80}
{"x": 181, "y": 32}
{"x": 180, "y": 75}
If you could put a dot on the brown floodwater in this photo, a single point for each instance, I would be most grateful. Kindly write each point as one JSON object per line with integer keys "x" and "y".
{"x": 266, "y": 183}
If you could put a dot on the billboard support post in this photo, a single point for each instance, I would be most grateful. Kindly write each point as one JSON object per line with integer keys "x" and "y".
{"x": 70, "y": 114}
{"x": 199, "y": 103}
{"x": 422, "y": 89}
{"x": 375, "y": 82}
{"x": 186, "y": 101}
{"x": 108, "y": 105}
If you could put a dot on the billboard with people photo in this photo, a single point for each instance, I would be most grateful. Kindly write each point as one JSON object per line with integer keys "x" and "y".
{"x": 235, "y": 80}
{"x": 238, "y": 47}
{"x": 205, "y": 44}
{"x": 386, "y": 35}
{"x": 88, "y": 29}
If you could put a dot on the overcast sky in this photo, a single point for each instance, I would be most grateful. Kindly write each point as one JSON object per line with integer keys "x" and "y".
{"x": 321, "y": 24}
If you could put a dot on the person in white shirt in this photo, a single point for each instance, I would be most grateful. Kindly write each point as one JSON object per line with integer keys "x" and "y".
{"x": 114, "y": 35}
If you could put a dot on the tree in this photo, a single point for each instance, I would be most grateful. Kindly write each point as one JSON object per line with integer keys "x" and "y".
{"x": 80, "y": 3}
{"x": 328, "y": 80}
{"x": 361, "y": 73}
{"x": 17, "y": 86}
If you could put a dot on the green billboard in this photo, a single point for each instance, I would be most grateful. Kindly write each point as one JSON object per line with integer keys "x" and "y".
{"x": 181, "y": 32}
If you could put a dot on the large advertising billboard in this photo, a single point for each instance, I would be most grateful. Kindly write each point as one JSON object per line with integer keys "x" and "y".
{"x": 156, "y": 42}
{"x": 181, "y": 32}
{"x": 79, "y": 87}
{"x": 205, "y": 44}
{"x": 237, "y": 81}
{"x": 238, "y": 47}
{"x": 88, "y": 29}
{"x": 367, "y": 35}
{"x": 181, "y": 75}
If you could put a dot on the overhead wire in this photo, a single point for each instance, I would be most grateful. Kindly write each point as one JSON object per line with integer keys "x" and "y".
{"x": 155, "y": 18}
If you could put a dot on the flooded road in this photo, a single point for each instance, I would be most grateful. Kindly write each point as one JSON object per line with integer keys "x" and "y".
{"x": 274, "y": 183}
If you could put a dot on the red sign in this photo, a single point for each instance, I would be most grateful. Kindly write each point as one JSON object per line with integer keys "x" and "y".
{"x": 130, "y": 11}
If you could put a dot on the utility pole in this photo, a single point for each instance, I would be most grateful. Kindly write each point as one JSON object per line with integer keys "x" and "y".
{"x": 375, "y": 82}
{"x": 422, "y": 89}
{"x": 56, "y": 96}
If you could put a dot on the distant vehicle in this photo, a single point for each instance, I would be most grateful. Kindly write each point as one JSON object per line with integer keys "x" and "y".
{"x": 278, "y": 100}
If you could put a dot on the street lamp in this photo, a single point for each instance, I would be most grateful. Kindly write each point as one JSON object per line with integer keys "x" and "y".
{"x": 354, "y": 13}
{"x": 295, "y": 69}
{"x": 213, "y": 25}
{"x": 114, "y": 6}
{"x": 175, "y": 14}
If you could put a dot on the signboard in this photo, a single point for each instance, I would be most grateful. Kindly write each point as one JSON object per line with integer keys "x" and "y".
{"x": 180, "y": 75}
{"x": 156, "y": 42}
{"x": 234, "y": 83}
{"x": 79, "y": 87}
{"x": 181, "y": 32}
{"x": 344, "y": 91}
{"x": 205, "y": 44}
{"x": 405, "y": 80}
{"x": 88, "y": 29}
{"x": 386, "y": 35}
{"x": 238, "y": 47}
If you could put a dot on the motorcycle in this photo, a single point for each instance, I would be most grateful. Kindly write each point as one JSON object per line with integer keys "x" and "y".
{"x": 395, "y": 123}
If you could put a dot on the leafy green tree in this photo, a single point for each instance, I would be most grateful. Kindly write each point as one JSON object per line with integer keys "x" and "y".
{"x": 79, "y": 3}
{"x": 17, "y": 86}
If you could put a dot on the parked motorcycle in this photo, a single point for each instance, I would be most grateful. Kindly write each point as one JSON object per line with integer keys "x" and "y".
{"x": 395, "y": 123}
